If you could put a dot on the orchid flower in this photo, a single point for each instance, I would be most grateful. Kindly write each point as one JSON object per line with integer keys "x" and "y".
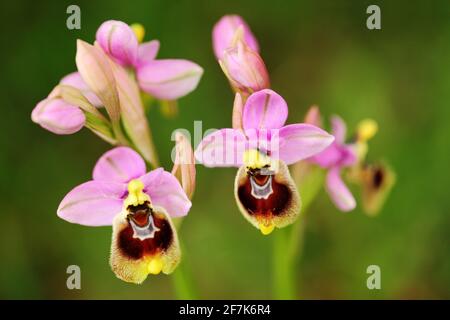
{"x": 138, "y": 205}
{"x": 262, "y": 149}
{"x": 337, "y": 156}
{"x": 165, "y": 78}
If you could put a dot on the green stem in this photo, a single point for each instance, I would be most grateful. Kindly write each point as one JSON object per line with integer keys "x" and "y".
{"x": 182, "y": 281}
{"x": 181, "y": 278}
{"x": 288, "y": 242}
{"x": 286, "y": 246}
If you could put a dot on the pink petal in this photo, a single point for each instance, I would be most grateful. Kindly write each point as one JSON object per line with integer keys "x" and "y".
{"x": 329, "y": 157}
{"x": 338, "y": 191}
{"x": 74, "y": 79}
{"x": 118, "y": 40}
{"x": 339, "y": 129}
{"x": 58, "y": 116}
{"x": 165, "y": 191}
{"x": 301, "y": 141}
{"x": 93, "y": 203}
{"x": 222, "y": 148}
{"x": 224, "y": 31}
{"x": 169, "y": 78}
{"x": 336, "y": 155}
{"x": 265, "y": 109}
{"x": 120, "y": 164}
{"x": 147, "y": 52}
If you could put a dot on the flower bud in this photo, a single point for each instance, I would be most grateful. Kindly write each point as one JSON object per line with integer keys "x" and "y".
{"x": 95, "y": 70}
{"x": 133, "y": 256}
{"x": 244, "y": 67}
{"x": 58, "y": 116}
{"x": 118, "y": 40}
{"x": 224, "y": 31}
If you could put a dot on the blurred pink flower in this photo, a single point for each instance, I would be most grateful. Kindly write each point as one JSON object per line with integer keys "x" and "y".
{"x": 334, "y": 158}
{"x": 118, "y": 40}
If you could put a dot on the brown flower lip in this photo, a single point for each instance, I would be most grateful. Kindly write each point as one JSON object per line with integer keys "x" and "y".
{"x": 267, "y": 198}
{"x": 155, "y": 236}
{"x": 133, "y": 259}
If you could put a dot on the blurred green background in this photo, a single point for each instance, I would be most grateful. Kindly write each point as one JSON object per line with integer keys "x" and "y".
{"x": 317, "y": 52}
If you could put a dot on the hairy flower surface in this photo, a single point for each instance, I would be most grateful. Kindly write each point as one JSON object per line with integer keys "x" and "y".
{"x": 138, "y": 205}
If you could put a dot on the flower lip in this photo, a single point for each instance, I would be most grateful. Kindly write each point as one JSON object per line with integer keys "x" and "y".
{"x": 136, "y": 248}
{"x": 266, "y": 199}
{"x": 378, "y": 177}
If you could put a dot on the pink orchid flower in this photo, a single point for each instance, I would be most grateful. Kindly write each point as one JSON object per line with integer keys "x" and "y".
{"x": 262, "y": 148}
{"x": 138, "y": 205}
{"x": 165, "y": 78}
{"x": 336, "y": 157}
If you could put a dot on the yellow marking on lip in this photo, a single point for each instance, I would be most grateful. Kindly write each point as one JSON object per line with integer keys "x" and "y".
{"x": 256, "y": 160}
{"x": 266, "y": 229}
{"x": 155, "y": 266}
